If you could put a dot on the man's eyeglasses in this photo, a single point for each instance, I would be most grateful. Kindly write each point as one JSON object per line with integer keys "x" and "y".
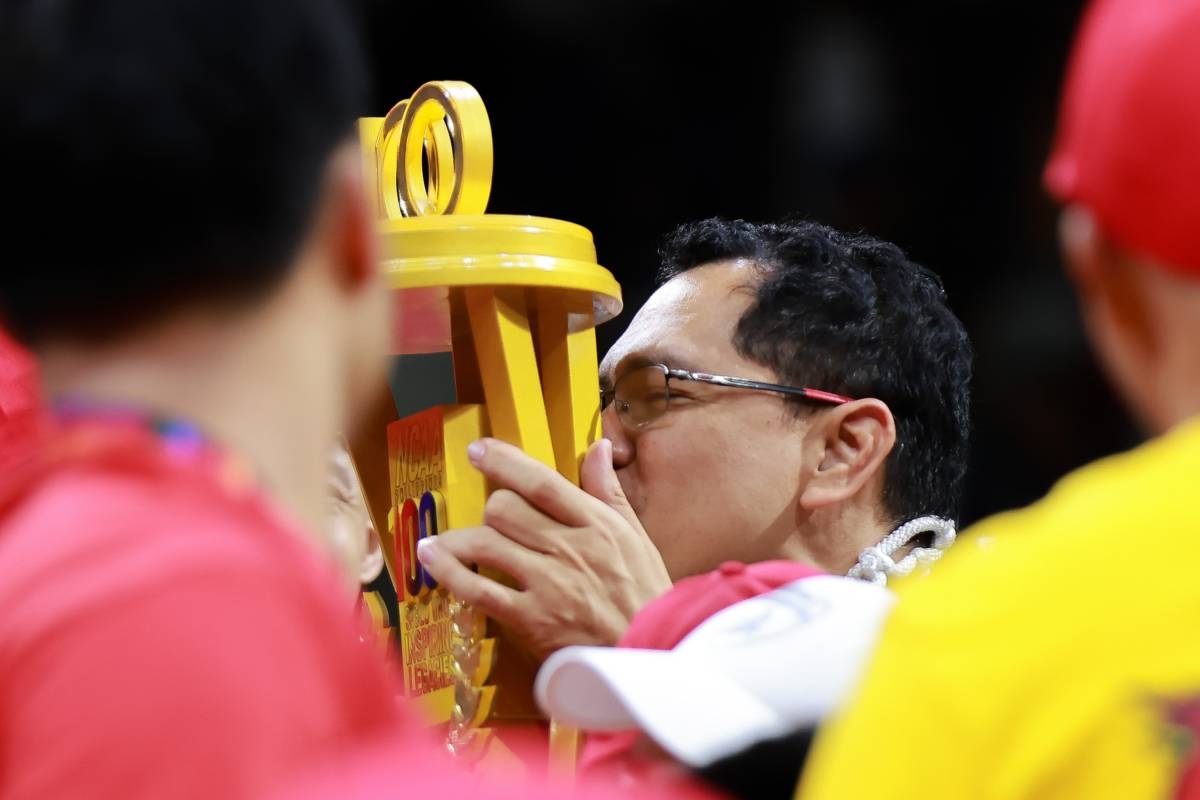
{"x": 643, "y": 395}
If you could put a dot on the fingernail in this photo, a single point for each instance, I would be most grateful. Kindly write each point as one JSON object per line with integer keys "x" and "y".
{"x": 427, "y": 551}
{"x": 607, "y": 445}
{"x": 475, "y": 451}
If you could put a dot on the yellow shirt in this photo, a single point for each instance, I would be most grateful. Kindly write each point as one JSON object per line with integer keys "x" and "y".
{"x": 1047, "y": 657}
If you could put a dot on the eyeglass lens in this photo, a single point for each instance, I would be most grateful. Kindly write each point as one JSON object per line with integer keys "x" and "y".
{"x": 641, "y": 395}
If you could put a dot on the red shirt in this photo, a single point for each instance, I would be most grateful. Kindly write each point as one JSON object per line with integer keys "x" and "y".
{"x": 20, "y": 396}
{"x": 166, "y": 631}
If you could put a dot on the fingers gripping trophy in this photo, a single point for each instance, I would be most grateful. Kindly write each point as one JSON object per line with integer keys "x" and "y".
{"x": 515, "y": 300}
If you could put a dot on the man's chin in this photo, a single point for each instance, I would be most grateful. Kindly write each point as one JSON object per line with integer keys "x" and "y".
{"x": 675, "y": 540}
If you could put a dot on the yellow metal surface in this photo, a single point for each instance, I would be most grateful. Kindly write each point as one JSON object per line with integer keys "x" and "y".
{"x": 564, "y": 750}
{"x": 508, "y": 365}
{"x": 445, "y": 125}
{"x": 501, "y": 250}
{"x": 518, "y": 297}
{"x": 570, "y": 382}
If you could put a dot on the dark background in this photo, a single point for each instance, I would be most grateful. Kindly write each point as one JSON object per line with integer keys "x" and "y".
{"x": 925, "y": 123}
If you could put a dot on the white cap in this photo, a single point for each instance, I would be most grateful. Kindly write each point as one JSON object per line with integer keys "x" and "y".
{"x": 756, "y": 670}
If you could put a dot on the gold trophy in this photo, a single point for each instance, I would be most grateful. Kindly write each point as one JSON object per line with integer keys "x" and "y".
{"x": 515, "y": 300}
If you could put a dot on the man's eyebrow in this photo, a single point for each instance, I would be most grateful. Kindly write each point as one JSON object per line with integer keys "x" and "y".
{"x": 632, "y": 361}
{"x": 676, "y": 361}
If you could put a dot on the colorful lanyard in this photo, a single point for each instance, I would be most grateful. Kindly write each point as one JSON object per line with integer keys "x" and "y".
{"x": 181, "y": 440}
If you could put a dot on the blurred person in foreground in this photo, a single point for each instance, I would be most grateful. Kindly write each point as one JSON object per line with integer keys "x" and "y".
{"x": 1059, "y": 657}
{"x": 194, "y": 270}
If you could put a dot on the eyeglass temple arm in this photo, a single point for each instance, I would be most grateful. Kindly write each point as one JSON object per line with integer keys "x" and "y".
{"x": 746, "y": 383}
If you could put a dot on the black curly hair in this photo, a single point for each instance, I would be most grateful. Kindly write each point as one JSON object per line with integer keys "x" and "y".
{"x": 164, "y": 153}
{"x": 851, "y": 314}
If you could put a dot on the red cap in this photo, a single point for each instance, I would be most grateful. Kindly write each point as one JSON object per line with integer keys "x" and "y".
{"x": 664, "y": 622}
{"x": 1129, "y": 124}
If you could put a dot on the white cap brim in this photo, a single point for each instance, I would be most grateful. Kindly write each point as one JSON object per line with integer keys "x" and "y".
{"x": 674, "y": 700}
{"x": 754, "y": 671}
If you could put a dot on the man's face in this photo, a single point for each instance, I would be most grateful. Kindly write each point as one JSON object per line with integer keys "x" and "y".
{"x": 717, "y": 477}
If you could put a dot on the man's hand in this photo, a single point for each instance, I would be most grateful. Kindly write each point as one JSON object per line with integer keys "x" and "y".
{"x": 581, "y": 558}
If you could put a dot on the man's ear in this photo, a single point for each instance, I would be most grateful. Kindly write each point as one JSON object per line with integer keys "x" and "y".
{"x": 351, "y": 223}
{"x": 1112, "y": 300}
{"x": 850, "y": 445}
{"x": 372, "y": 563}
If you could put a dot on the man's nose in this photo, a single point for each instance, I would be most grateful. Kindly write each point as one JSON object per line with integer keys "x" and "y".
{"x": 614, "y": 431}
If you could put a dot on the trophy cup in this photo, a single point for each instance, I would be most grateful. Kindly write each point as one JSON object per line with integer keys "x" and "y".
{"x": 514, "y": 300}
